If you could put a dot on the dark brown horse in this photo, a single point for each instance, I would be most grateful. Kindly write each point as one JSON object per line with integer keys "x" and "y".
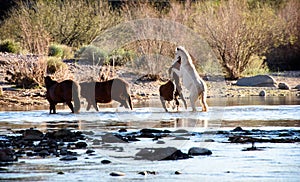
{"x": 104, "y": 92}
{"x": 168, "y": 93}
{"x": 62, "y": 92}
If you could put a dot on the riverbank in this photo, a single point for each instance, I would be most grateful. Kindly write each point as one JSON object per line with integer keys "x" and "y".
{"x": 140, "y": 90}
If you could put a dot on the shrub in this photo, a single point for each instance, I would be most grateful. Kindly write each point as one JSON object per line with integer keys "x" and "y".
{"x": 55, "y": 51}
{"x": 91, "y": 55}
{"x": 9, "y": 46}
{"x": 120, "y": 57}
{"x": 256, "y": 66}
{"x": 27, "y": 73}
{"x": 55, "y": 64}
{"x": 61, "y": 51}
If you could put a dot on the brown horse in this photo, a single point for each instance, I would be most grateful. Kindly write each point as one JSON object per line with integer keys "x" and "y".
{"x": 62, "y": 92}
{"x": 104, "y": 92}
{"x": 168, "y": 93}
{"x": 174, "y": 77}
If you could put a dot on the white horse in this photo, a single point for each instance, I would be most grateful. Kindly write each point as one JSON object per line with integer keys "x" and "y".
{"x": 190, "y": 78}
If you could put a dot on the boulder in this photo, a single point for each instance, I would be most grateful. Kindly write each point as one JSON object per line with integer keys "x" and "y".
{"x": 262, "y": 93}
{"x": 298, "y": 87}
{"x": 168, "y": 153}
{"x": 283, "y": 86}
{"x": 199, "y": 151}
{"x": 33, "y": 134}
{"x": 7, "y": 155}
{"x": 257, "y": 81}
{"x": 116, "y": 173}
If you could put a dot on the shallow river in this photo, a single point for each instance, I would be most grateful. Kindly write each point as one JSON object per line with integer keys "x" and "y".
{"x": 276, "y": 162}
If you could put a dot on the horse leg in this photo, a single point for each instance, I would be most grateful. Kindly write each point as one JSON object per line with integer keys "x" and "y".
{"x": 183, "y": 100}
{"x": 95, "y": 105}
{"x": 176, "y": 103}
{"x": 163, "y": 102}
{"x": 88, "y": 107}
{"x": 193, "y": 98}
{"x": 52, "y": 108}
{"x": 70, "y": 106}
{"x": 203, "y": 102}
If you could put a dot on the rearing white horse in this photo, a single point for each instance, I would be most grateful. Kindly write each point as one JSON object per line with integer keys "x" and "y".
{"x": 190, "y": 78}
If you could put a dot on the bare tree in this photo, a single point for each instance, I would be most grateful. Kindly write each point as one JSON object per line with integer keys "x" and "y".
{"x": 237, "y": 33}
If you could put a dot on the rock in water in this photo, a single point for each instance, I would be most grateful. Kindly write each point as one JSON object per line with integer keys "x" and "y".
{"x": 115, "y": 173}
{"x": 7, "y": 155}
{"x": 199, "y": 151}
{"x": 262, "y": 93}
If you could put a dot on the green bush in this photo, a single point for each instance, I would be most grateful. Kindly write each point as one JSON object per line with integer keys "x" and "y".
{"x": 55, "y": 64}
{"x": 55, "y": 51}
{"x": 61, "y": 51}
{"x": 9, "y": 46}
{"x": 91, "y": 55}
{"x": 256, "y": 66}
{"x": 120, "y": 57}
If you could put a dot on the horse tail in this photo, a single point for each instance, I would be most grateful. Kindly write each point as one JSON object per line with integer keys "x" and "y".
{"x": 76, "y": 95}
{"x": 129, "y": 102}
{"x": 126, "y": 93}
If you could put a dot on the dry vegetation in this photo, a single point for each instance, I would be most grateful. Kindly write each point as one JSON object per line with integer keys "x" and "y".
{"x": 244, "y": 34}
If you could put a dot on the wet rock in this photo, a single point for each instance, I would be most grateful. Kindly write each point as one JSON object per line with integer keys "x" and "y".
{"x": 96, "y": 142}
{"x": 116, "y": 173}
{"x": 283, "y": 86}
{"x": 257, "y": 81}
{"x": 160, "y": 142}
{"x": 195, "y": 151}
{"x": 68, "y": 158}
{"x": 105, "y": 161}
{"x": 7, "y": 155}
{"x": 298, "y": 87}
{"x": 144, "y": 173}
{"x": 122, "y": 130}
{"x": 149, "y": 130}
{"x": 180, "y": 138}
{"x": 33, "y": 134}
{"x": 180, "y": 131}
{"x": 168, "y": 153}
{"x": 238, "y": 129}
{"x": 80, "y": 145}
{"x": 178, "y": 172}
{"x": 113, "y": 138}
{"x": 89, "y": 151}
{"x": 60, "y": 172}
{"x": 262, "y": 93}
{"x": 44, "y": 153}
{"x": 63, "y": 151}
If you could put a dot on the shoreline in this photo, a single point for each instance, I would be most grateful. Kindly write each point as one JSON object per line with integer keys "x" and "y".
{"x": 141, "y": 91}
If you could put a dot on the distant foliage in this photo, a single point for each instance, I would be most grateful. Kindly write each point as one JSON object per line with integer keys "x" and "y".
{"x": 61, "y": 51}
{"x": 120, "y": 57}
{"x": 9, "y": 46}
{"x": 55, "y": 64}
{"x": 73, "y": 23}
{"x": 55, "y": 50}
{"x": 92, "y": 55}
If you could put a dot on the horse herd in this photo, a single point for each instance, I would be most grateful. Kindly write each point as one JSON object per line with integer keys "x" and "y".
{"x": 182, "y": 70}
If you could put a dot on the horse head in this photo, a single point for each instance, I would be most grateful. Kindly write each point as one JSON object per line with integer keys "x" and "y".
{"x": 49, "y": 82}
{"x": 182, "y": 55}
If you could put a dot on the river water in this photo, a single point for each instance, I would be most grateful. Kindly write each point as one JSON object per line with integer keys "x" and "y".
{"x": 276, "y": 162}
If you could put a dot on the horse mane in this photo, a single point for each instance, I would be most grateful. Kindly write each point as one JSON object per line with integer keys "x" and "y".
{"x": 188, "y": 56}
{"x": 49, "y": 82}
